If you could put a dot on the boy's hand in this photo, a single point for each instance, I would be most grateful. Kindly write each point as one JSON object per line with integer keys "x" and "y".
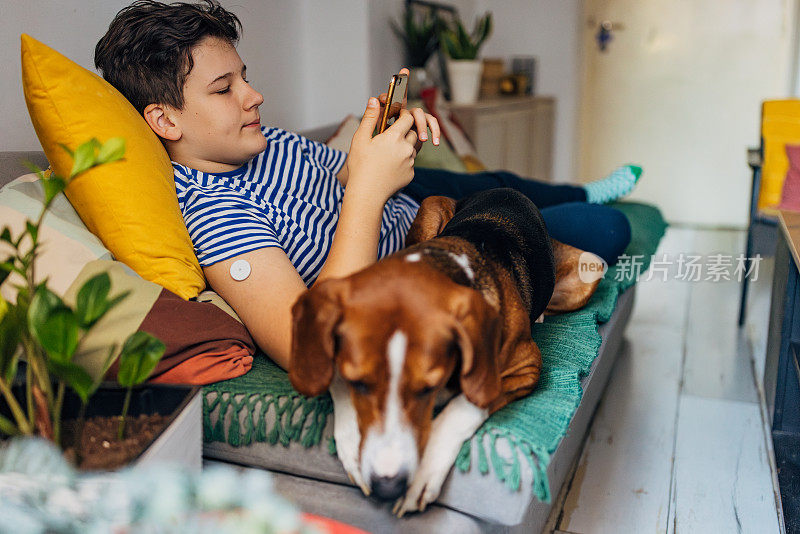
{"x": 382, "y": 165}
{"x": 422, "y": 120}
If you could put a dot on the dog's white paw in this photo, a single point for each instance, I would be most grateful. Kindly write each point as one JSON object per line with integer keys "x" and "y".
{"x": 457, "y": 422}
{"x": 347, "y": 449}
{"x": 346, "y": 433}
{"x": 424, "y": 489}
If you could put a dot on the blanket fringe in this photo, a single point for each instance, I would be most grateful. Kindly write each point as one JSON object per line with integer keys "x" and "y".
{"x": 507, "y": 470}
{"x": 296, "y": 418}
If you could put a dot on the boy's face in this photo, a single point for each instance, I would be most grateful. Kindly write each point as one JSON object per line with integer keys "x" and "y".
{"x": 219, "y": 124}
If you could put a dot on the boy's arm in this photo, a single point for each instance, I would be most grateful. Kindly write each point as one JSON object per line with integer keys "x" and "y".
{"x": 378, "y": 168}
{"x": 264, "y": 299}
{"x": 343, "y": 174}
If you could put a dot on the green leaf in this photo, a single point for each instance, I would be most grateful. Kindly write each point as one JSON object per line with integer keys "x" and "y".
{"x": 451, "y": 46}
{"x": 75, "y": 376}
{"x": 32, "y": 230}
{"x": 67, "y": 150}
{"x": 140, "y": 355}
{"x": 6, "y": 235}
{"x": 59, "y": 334}
{"x": 43, "y": 303}
{"x": 10, "y": 265}
{"x": 6, "y": 268}
{"x": 53, "y": 324}
{"x": 7, "y": 427}
{"x": 19, "y": 240}
{"x": 110, "y": 359}
{"x": 52, "y": 186}
{"x": 34, "y": 168}
{"x": 84, "y": 157}
{"x": 23, "y": 298}
{"x": 9, "y": 343}
{"x": 92, "y": 300}
{"x": 116, "y": 300}
{"x": 112, "y": 150}
{"x": 458, "y": 44}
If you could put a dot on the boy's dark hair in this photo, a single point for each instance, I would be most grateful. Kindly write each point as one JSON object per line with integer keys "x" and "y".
{"x": 147, "y": 51}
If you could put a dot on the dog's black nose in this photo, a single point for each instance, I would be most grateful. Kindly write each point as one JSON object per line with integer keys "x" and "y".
{"x": 389, "y": 488}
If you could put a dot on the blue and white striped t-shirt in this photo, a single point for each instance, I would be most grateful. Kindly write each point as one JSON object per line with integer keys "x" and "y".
{"x": 288, "y": 196}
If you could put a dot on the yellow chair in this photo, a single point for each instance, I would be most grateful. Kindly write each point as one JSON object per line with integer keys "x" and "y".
{"x": 780, "y": 126}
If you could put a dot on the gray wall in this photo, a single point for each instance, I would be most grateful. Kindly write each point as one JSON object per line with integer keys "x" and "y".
{"x": 315, "y": 61}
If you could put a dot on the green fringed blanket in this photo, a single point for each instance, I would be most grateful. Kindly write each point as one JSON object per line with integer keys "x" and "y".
{"x": 533, "y": 426}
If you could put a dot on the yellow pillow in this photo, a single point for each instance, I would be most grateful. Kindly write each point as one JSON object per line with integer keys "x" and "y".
{"x": 131, "y": 204}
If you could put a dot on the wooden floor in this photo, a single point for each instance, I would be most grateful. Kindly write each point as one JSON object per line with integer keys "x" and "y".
{"x": 678, "y": 443}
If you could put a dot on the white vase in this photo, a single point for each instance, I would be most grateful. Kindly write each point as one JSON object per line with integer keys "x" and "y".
{"x": 465, "y": 80}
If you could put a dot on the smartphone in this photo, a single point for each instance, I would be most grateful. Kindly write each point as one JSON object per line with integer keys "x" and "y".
{"x": 395, "y": 100}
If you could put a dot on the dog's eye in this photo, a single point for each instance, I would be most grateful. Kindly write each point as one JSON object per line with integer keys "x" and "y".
{"x": 362, "y": 388}
{"x": 424, "y": 392}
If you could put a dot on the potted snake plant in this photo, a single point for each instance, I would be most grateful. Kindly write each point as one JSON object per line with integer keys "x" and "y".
{"x": 461, "y": 49}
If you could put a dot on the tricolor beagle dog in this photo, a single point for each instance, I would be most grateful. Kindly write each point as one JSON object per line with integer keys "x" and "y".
{"x": 447, "y": 318}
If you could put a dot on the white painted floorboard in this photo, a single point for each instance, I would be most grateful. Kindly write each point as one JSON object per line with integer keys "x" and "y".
{"x": 622, "y": 480}
{"x": 722, "y": 477}
{"x": 682, "y": 390}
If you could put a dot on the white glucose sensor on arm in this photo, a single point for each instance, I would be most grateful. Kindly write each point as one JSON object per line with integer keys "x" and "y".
{"x": 240, "y": 270}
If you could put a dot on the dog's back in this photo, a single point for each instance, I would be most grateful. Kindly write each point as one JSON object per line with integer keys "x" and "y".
{"x": 506, "y": 227}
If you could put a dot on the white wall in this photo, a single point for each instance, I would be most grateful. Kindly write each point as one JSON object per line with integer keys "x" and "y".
{"x": 386, "y": 52}
{"x": 315, "y": 61}
{"x": 310, "y": 58}
{"x": 73, "y": 28}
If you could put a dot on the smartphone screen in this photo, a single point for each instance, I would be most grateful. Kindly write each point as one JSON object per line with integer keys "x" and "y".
{"x": 395, "y": 100}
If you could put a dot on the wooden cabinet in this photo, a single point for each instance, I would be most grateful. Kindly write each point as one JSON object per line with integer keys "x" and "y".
{"x": 782, "y": 370}
{"x": 512, "y": 133}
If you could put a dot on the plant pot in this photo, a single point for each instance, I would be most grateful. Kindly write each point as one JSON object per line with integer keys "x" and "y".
{"x": 465, "y": 80}
{"x": 180, "y": 441}
{"x": 418, "y": 79}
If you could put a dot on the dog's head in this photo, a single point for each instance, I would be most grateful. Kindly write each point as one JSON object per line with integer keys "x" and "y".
{"x": 397, "y": 335}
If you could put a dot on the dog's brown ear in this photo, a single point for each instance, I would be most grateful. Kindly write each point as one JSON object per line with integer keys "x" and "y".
{"x": 477, "y": 330}
{"x": 577, "y": 278}
{"x": 315, "y": 316}
{"x": 432, "y": 216}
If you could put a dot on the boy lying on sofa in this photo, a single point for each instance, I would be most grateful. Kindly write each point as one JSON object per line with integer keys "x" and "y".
{"x": 271, "y": 213}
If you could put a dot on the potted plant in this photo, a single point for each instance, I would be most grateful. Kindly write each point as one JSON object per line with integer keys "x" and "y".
{"x": 461, "y": 49}
{"x": 40, "y": 383}
{"x": 419, "y": 34}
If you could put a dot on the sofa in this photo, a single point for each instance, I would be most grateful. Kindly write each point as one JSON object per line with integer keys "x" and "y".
{"x": 470, "y": 501}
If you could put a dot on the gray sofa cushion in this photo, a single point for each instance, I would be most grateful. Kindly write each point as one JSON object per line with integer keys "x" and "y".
{"x": 12, "y": 164}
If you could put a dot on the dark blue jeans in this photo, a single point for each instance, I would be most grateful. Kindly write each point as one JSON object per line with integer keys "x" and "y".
{"x": 596, "y": 228}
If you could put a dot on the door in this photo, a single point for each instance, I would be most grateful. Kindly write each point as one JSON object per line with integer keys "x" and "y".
{"x": 678, "y": 90}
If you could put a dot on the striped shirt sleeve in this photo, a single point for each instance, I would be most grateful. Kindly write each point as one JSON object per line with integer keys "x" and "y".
{"x": 326, "y": 156}
{"x": 223, "y": 226}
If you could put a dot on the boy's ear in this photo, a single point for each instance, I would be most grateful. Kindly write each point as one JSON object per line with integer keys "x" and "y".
{"x": 160, "y": 121}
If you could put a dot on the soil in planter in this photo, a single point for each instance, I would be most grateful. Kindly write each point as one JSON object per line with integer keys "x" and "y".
{"x": 100, "y": 448}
